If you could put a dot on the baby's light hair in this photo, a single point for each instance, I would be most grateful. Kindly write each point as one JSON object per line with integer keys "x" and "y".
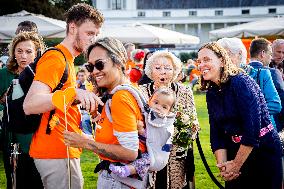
{"x": 167, "y": 92}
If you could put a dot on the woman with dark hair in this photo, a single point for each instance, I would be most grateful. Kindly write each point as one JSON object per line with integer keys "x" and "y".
{"x": 115, "y": 141}
{"x": 245, "y": 144}
{"x": 22, "y": 51}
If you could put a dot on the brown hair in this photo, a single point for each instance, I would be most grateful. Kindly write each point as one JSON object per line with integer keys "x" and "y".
{"x": 229, "y": 68}
{"x": 27, "y": 26}
{"x": 12, "y": 64}
{"x": 81, "y": 71}
{"x": 115, "y": 49}
{"x": 82, "y": 12}
{"x": 257, "y": 46}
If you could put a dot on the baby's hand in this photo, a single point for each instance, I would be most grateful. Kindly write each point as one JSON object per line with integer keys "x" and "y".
{"x": 140, "y": 127}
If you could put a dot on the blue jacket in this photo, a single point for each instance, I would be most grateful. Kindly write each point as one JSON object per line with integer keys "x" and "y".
{"x": 237, "y": 107}
{"x": 267, "y": 88}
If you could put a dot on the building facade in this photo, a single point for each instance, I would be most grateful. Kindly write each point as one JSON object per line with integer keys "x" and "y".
{"x": 195, "y": 17}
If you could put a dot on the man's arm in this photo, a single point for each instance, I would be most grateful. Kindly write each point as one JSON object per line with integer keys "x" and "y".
{"x": 38, "y": 99}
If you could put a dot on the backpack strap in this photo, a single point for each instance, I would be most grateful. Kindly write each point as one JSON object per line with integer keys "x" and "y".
{"x": 139, "y": 97}
{"x": 59, "y": 85}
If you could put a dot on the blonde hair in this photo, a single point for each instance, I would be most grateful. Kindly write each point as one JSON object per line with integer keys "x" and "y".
{"x": 235, "y": 45}
{"x": 229, "y": 69}
{"x": 177, "y": 65}
{"x": 12, "y": 64}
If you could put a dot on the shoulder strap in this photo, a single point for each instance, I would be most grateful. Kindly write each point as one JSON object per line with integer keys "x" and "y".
{"x": 139, "y": 97}
{"x": 66, "y": 70}
{"x": 59, "y": 85}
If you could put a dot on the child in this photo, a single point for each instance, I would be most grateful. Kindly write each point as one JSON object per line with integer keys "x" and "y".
{"x": 161, "y": 102}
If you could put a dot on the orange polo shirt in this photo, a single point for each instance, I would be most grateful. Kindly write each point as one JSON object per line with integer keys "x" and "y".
{"x": 125, "y": 114}
{"x": 49, "y": 71}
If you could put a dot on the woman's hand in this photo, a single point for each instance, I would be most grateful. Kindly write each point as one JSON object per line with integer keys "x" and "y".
{"x": 75, "y": 140}
{"x": 229, "y": 170}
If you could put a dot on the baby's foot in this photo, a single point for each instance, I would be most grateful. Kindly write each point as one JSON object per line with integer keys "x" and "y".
{"x": 121, "y": 171}
{"x": 167, "y": 147}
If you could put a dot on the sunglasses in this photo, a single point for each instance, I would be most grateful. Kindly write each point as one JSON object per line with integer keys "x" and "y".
{"x": 99, "y": 65}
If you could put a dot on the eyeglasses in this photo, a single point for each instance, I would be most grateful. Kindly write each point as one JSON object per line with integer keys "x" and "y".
{"x": 205, "y": 59}
{"x": 160, "y": 68}
{"x": 99, "y": 65}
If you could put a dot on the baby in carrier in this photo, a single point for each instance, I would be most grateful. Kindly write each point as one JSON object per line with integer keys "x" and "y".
{"x": 157, "y": 134}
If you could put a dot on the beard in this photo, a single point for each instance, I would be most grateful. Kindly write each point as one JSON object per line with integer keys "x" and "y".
{"x": 77, "y": 45}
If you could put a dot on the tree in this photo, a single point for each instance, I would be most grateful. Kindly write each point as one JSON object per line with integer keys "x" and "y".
{"x": 184, "y": 56}
{"x": 50, "y": 8}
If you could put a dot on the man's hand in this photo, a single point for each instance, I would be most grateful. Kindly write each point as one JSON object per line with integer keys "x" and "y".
{"x": 89, "y": 100}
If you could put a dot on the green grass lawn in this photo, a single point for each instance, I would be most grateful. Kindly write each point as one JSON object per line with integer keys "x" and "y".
{"x": 89, "y": 160}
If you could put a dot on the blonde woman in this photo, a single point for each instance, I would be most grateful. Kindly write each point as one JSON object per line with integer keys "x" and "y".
{"x": 163, "y": 68}
{"x": 22, "y": 51}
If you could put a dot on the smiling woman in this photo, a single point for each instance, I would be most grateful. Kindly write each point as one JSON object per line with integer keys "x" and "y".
{"x": 116, "y": 141}
{"x": 246, "y": 146}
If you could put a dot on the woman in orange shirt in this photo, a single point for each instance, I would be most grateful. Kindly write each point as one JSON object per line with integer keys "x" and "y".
{"x": 117, "y": 141}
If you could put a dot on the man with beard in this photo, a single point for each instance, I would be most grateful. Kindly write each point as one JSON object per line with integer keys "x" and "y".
{"x": 48, "y": 149}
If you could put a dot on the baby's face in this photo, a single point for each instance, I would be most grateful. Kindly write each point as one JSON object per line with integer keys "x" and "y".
{"x": 161, "y": 103}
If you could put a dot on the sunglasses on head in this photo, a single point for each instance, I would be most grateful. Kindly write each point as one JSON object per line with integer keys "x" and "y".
{"x": 99, "y": 65}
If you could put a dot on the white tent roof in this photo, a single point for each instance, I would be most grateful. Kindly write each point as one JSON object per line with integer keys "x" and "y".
{"x": 147, "y": 34}
{"x": 46, "y": 26}
{"x": 265, "y": 27}
{"x": 144, "y": 34}
{"x": 135, "y": 33}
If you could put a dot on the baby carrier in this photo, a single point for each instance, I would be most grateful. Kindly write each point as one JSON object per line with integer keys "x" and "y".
{"x": 159, "y": 131}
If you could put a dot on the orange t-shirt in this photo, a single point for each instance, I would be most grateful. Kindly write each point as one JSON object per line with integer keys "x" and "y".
{"x": 49, "y": 71}
{"x": 125, "y": 115}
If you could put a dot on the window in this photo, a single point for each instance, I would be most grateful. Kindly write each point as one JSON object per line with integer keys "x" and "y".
{"x": 272, "y": 11}
{"x": 94, "y": 3}
{"x": 166, "y": 14}
{"x": 116, "y": 4}
{"x": 245, "y": 11}
{"x": 141, "y": 14}
{"x": 218, "y": 13}
{"x": 192, "y": 13}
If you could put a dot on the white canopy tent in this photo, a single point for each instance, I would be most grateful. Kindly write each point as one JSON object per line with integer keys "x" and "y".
{"x": 147, "y": 34}
{"x": 265, "y": 27}
{"x": 46, "y": 26}
{"x": 144, "y": 34}
{"x": 134, "y": 33}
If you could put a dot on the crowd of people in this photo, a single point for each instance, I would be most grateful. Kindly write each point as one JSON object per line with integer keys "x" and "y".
{"x": 145, "y": 143}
